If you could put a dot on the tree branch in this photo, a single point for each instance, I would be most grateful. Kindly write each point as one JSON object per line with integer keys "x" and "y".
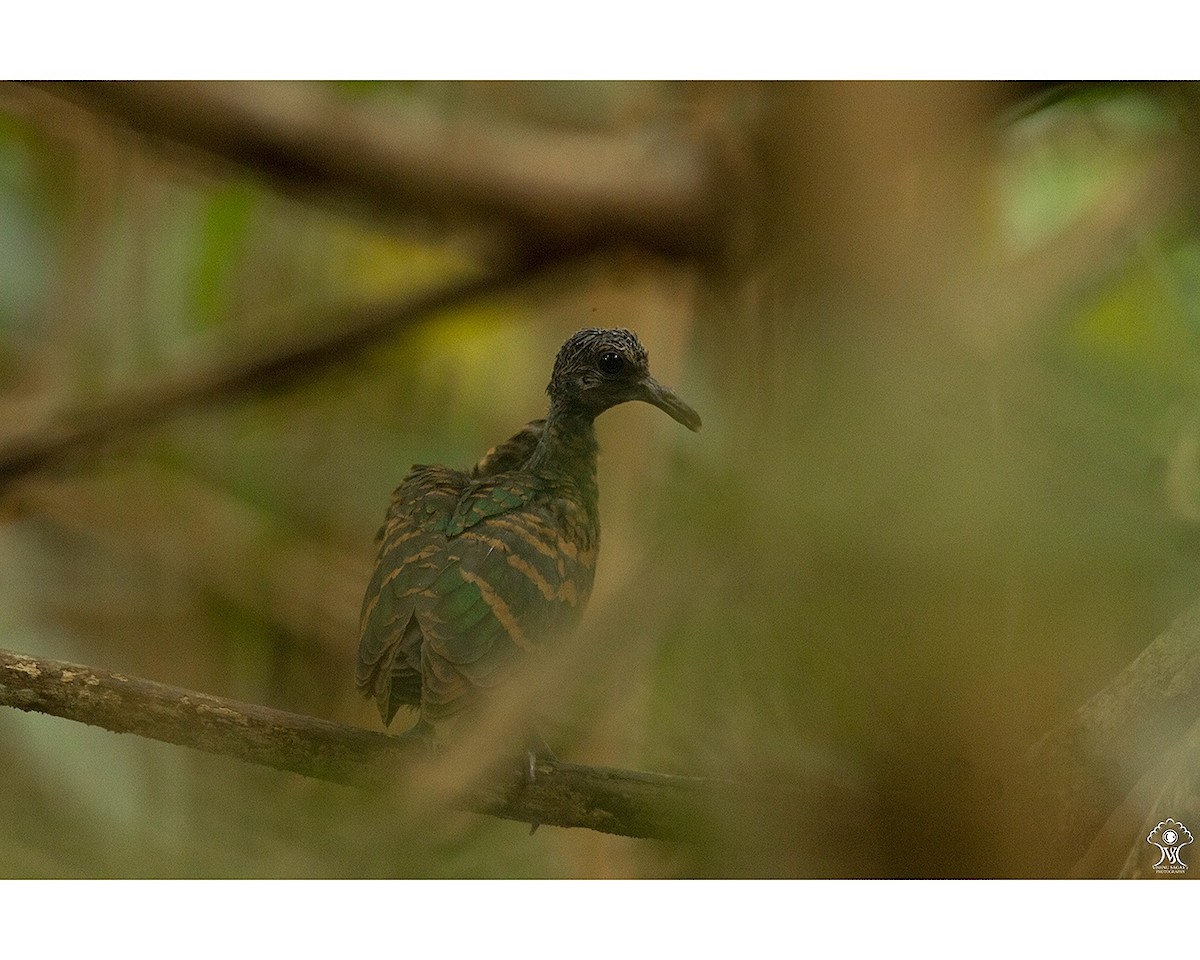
{"x": 249, "y": 372}
{"x": 1179, "y": 792}
{"x": 312, "y": 589}
{"x": 553, "y": 191}
{"x": 1079, "y": 773}
{"x": 624, "y": 802}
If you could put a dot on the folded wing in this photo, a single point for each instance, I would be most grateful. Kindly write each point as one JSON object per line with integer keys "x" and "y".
{"x": 472, "y": 575}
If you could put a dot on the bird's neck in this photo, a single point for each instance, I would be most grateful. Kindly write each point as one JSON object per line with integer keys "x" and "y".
{"x": 567, "y": 450}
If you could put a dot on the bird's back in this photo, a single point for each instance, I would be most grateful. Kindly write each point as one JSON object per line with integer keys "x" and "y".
{"x": 474, "y": 572}
{"x": 513, "y": 453}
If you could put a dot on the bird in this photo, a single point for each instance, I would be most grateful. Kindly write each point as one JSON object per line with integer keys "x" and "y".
{"x": 479, "y": 570}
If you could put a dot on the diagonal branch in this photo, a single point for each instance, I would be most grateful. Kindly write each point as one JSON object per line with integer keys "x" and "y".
{"x": 625, "y": 802}
{"x": 552, "y": 191}
{"x": 1179, "y": 792}
{"x": 249, "y": 372}
{"x": 1079, "y": 773}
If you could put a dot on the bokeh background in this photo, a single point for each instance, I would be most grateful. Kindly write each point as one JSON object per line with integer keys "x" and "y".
{"x": 945, "y": 339}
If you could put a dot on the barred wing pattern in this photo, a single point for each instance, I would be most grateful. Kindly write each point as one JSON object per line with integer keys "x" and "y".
{"x": 472, "y": 575}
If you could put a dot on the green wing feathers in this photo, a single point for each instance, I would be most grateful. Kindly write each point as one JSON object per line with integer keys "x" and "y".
{"x": 410, "y": 556}
{"x": 472, "y": 574}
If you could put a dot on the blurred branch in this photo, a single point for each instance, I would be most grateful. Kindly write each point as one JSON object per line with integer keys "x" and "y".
{"x": 1080, "y": 772}
{"x": 1180, "y": 792}
{"x": 624, "y": 802}
{"x": 340, "y": 339}
{"x": 1170, "y": 789}
{"x": 214, "y": 540}
{"x": 553, "y": 191}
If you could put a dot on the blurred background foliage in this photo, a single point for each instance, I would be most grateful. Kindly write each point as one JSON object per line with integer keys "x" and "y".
{"x": 949, "y": 481}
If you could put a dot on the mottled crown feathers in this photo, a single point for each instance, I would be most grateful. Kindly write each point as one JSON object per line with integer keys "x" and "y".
{"x": 586, "y": 347}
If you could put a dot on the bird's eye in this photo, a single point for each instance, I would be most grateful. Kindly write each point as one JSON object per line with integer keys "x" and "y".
{"x": 612, "y": 363}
